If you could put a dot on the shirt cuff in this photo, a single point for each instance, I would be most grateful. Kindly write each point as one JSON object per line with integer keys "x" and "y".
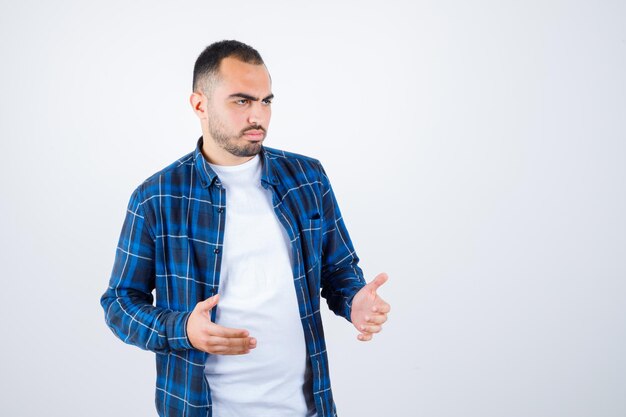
{"x": 176, "y": 330}
{"x": 348, "y": 304}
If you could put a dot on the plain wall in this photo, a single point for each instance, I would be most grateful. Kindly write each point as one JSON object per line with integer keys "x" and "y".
{"x": 477, "y": 150}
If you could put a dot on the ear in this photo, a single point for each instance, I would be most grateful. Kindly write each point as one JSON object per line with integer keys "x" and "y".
{"x": 198, "y": 103}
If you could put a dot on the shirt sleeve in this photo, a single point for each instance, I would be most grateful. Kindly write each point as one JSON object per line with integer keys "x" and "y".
{"x": 341, "y": 277}
{"x": 127, "y": 302}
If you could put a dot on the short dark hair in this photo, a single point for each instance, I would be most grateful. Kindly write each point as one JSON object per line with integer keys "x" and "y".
{"x": 208, "y": 62}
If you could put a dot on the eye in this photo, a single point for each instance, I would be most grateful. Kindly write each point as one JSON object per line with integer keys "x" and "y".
{"x": 242, "y": 101}
{"x": 267, "y": 101}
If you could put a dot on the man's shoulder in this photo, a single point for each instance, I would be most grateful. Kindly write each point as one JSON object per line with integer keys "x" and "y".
{"x": 282, "y": 157}
{"x": 173, "y": 174}
{"x": 294, "y": 169}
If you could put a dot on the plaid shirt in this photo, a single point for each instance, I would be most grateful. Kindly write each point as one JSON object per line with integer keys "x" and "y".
{"x": 172, "y": 241}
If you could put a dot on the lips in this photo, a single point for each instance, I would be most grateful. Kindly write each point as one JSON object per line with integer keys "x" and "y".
{"x": 254, "y": 134}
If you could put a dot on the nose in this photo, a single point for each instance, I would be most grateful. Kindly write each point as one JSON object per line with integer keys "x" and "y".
{"x": 259, "y": 114}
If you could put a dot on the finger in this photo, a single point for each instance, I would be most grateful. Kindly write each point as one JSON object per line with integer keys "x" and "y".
{"x": 224, "y": 350}
{"x": 221, "y": 331}
{"x": 382, "y": 307}
{"x": 230, "y": 345}
{"x": 209, "y": 303}
{"x": 370, "y": 328}
{"x": 376, "y": 319}
{"x": 378, "y": 281}
{"x": 231, "y": 353}
{"x": 364, "y": 337}
{"x": 235, "y": 342}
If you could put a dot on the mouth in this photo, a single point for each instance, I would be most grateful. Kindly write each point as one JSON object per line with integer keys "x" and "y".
{"x": 254, "y": 134}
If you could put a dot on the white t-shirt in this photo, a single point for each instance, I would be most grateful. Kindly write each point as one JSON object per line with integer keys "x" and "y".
{"x": 257, "y": 293}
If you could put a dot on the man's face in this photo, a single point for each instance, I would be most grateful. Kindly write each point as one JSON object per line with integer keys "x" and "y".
{"x": 239, "y": 108}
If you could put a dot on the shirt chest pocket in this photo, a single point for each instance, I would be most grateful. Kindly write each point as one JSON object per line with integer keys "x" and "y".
{"x": 312, "y": 240}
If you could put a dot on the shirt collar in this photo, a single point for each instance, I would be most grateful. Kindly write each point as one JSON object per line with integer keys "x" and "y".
{"x": 208, "y": 176}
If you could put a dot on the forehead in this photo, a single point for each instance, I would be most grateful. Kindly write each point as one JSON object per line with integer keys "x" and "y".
{"x": 240, "y": 77}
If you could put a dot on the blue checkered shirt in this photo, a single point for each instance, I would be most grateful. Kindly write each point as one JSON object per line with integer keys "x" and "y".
{"x": 172, "y": 241}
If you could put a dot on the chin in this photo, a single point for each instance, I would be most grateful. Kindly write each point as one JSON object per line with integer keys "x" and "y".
{"x": 250, "y": 149}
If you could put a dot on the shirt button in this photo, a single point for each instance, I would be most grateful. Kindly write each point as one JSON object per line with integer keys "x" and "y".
{"x": 216, "y": 250}
{"x": 220, "y": 210}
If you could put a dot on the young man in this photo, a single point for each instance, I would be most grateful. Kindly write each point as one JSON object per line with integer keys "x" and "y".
{"x": 239, "y": 241}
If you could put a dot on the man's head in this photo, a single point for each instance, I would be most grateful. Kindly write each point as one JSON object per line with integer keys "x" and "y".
{"x": 206, "y": 69}
{"x": 232, "y": 97}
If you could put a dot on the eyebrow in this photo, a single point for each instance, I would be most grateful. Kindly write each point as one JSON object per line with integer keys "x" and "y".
{"x": 249, "y": 97}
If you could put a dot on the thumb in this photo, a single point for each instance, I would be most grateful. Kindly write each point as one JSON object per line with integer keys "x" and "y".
{"x": 209, "y": 303}
{"x": 378, "y": 281}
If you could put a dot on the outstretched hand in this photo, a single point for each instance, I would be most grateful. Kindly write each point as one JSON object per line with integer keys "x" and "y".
{"x": 369, "y": 311}
{"x": 212, "y": 338}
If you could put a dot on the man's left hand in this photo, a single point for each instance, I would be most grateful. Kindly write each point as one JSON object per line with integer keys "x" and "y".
{"x": 369, "y": 311}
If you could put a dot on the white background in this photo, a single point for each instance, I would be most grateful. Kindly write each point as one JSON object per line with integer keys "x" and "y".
{"x": 477, "y": 149}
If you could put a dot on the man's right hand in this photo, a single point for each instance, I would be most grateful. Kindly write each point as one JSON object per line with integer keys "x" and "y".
{"x": 209, "y": 337}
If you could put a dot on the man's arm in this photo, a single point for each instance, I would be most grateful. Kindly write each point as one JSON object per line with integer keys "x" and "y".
{"x": 343, "y": 284}
{"x": 341, "y": 276}
{"x": 128, "y": 301}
